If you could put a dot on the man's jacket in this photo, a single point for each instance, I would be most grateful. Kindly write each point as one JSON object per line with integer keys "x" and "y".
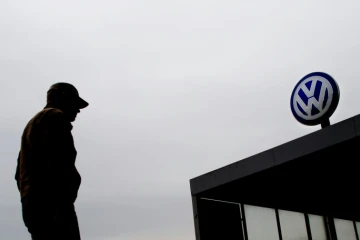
{"x": 46, "y": 164}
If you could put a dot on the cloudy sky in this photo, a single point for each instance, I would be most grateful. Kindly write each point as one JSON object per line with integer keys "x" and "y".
{"x": 176, "y": 89}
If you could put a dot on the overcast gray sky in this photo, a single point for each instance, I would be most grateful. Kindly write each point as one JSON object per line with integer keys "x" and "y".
{"x": 176, "y": 89}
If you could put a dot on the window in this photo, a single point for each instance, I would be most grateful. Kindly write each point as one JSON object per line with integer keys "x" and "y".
{"x": 344, "y": 229}
{"x": 317, "y": 226}
{"x": 293, "y": 225}
{"x": 261, "y": 223}
{"x": 358, "y": 228}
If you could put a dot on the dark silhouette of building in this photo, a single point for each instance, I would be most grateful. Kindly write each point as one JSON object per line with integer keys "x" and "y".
{"x": 304, "y": 189}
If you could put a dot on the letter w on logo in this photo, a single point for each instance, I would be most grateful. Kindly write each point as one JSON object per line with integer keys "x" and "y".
{"x": 312, "y": 97}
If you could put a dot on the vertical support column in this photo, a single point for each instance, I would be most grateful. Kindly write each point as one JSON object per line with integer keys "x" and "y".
{"x": 243, "y": 221}
{"x": 308, "y": 228}
{"x": 278, "y": 223}
{"x": 195, "y": 203}
{"x": 356, "y": 231}
{"x": 330, "y": 228}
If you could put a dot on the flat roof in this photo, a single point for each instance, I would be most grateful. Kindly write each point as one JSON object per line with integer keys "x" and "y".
{"x": 320, "y": 140}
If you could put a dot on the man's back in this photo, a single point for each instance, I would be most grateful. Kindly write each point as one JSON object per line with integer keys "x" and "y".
{"x": 47, "y": 157}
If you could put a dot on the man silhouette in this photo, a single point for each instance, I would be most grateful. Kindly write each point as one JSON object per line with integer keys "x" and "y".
{"x": 46, "y": 176}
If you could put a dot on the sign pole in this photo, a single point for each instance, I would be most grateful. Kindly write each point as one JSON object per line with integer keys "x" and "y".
{"x": 325, "y": 123}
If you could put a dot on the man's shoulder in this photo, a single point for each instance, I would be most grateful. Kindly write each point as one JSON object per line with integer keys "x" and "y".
{"x": 53, "y": 119}
{"x": 49, "y": 116}
{"x": 46, "y": 120}
{"x": 53, "y": 112}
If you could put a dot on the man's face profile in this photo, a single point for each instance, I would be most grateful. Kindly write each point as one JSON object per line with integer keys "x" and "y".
{"x": 70, "y": 107}
{"x": 72, "y": 113}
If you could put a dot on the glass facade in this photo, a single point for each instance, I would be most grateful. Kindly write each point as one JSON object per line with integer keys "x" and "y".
{"x": 293, "y": 225}
{"x": 344, "y": 229}
{"x": 261, "y": 223}
{"x": 358, "y": 228}
{"x": 317, "y": 227}
{"x": 258, "y": 223}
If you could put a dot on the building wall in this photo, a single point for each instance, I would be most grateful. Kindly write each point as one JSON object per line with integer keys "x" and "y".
{"x": 225, "y": 220}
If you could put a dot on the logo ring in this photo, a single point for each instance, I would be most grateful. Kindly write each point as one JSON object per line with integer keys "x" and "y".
{"x": 315, "y": 98}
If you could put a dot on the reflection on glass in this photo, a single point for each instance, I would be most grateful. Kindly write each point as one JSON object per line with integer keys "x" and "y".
{"x": 344, "y": 229}
{"x": 358, "y": 228}
{"x": 261, "y": 223}
{"x": 293, "y": 225}
{"x": 317, "y": 226}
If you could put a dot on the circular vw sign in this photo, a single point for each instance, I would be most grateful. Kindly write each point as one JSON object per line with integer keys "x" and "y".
{"x": 315, "y": 98}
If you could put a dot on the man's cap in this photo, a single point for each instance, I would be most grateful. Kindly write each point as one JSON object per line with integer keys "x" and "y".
{"x": 67, "y": 88}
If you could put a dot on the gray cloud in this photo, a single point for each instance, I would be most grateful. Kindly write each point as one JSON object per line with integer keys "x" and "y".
{"x": 176, "y": 89}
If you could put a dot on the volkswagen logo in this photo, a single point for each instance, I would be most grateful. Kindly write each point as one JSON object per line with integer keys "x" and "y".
{"x": 315, "y": 98}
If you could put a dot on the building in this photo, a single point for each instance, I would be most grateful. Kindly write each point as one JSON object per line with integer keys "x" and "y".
{"x": 307, "y": 188}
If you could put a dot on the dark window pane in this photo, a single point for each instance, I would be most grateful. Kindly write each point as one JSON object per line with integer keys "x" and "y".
{"x": 261, "y": 223}
{"x": 219, "y": 220}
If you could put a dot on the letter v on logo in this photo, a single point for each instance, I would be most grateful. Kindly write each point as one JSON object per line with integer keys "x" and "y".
{"x": 312, "y": 101}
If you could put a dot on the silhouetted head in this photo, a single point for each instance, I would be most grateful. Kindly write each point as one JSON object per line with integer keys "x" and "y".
{"x": 65, "y": 97}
